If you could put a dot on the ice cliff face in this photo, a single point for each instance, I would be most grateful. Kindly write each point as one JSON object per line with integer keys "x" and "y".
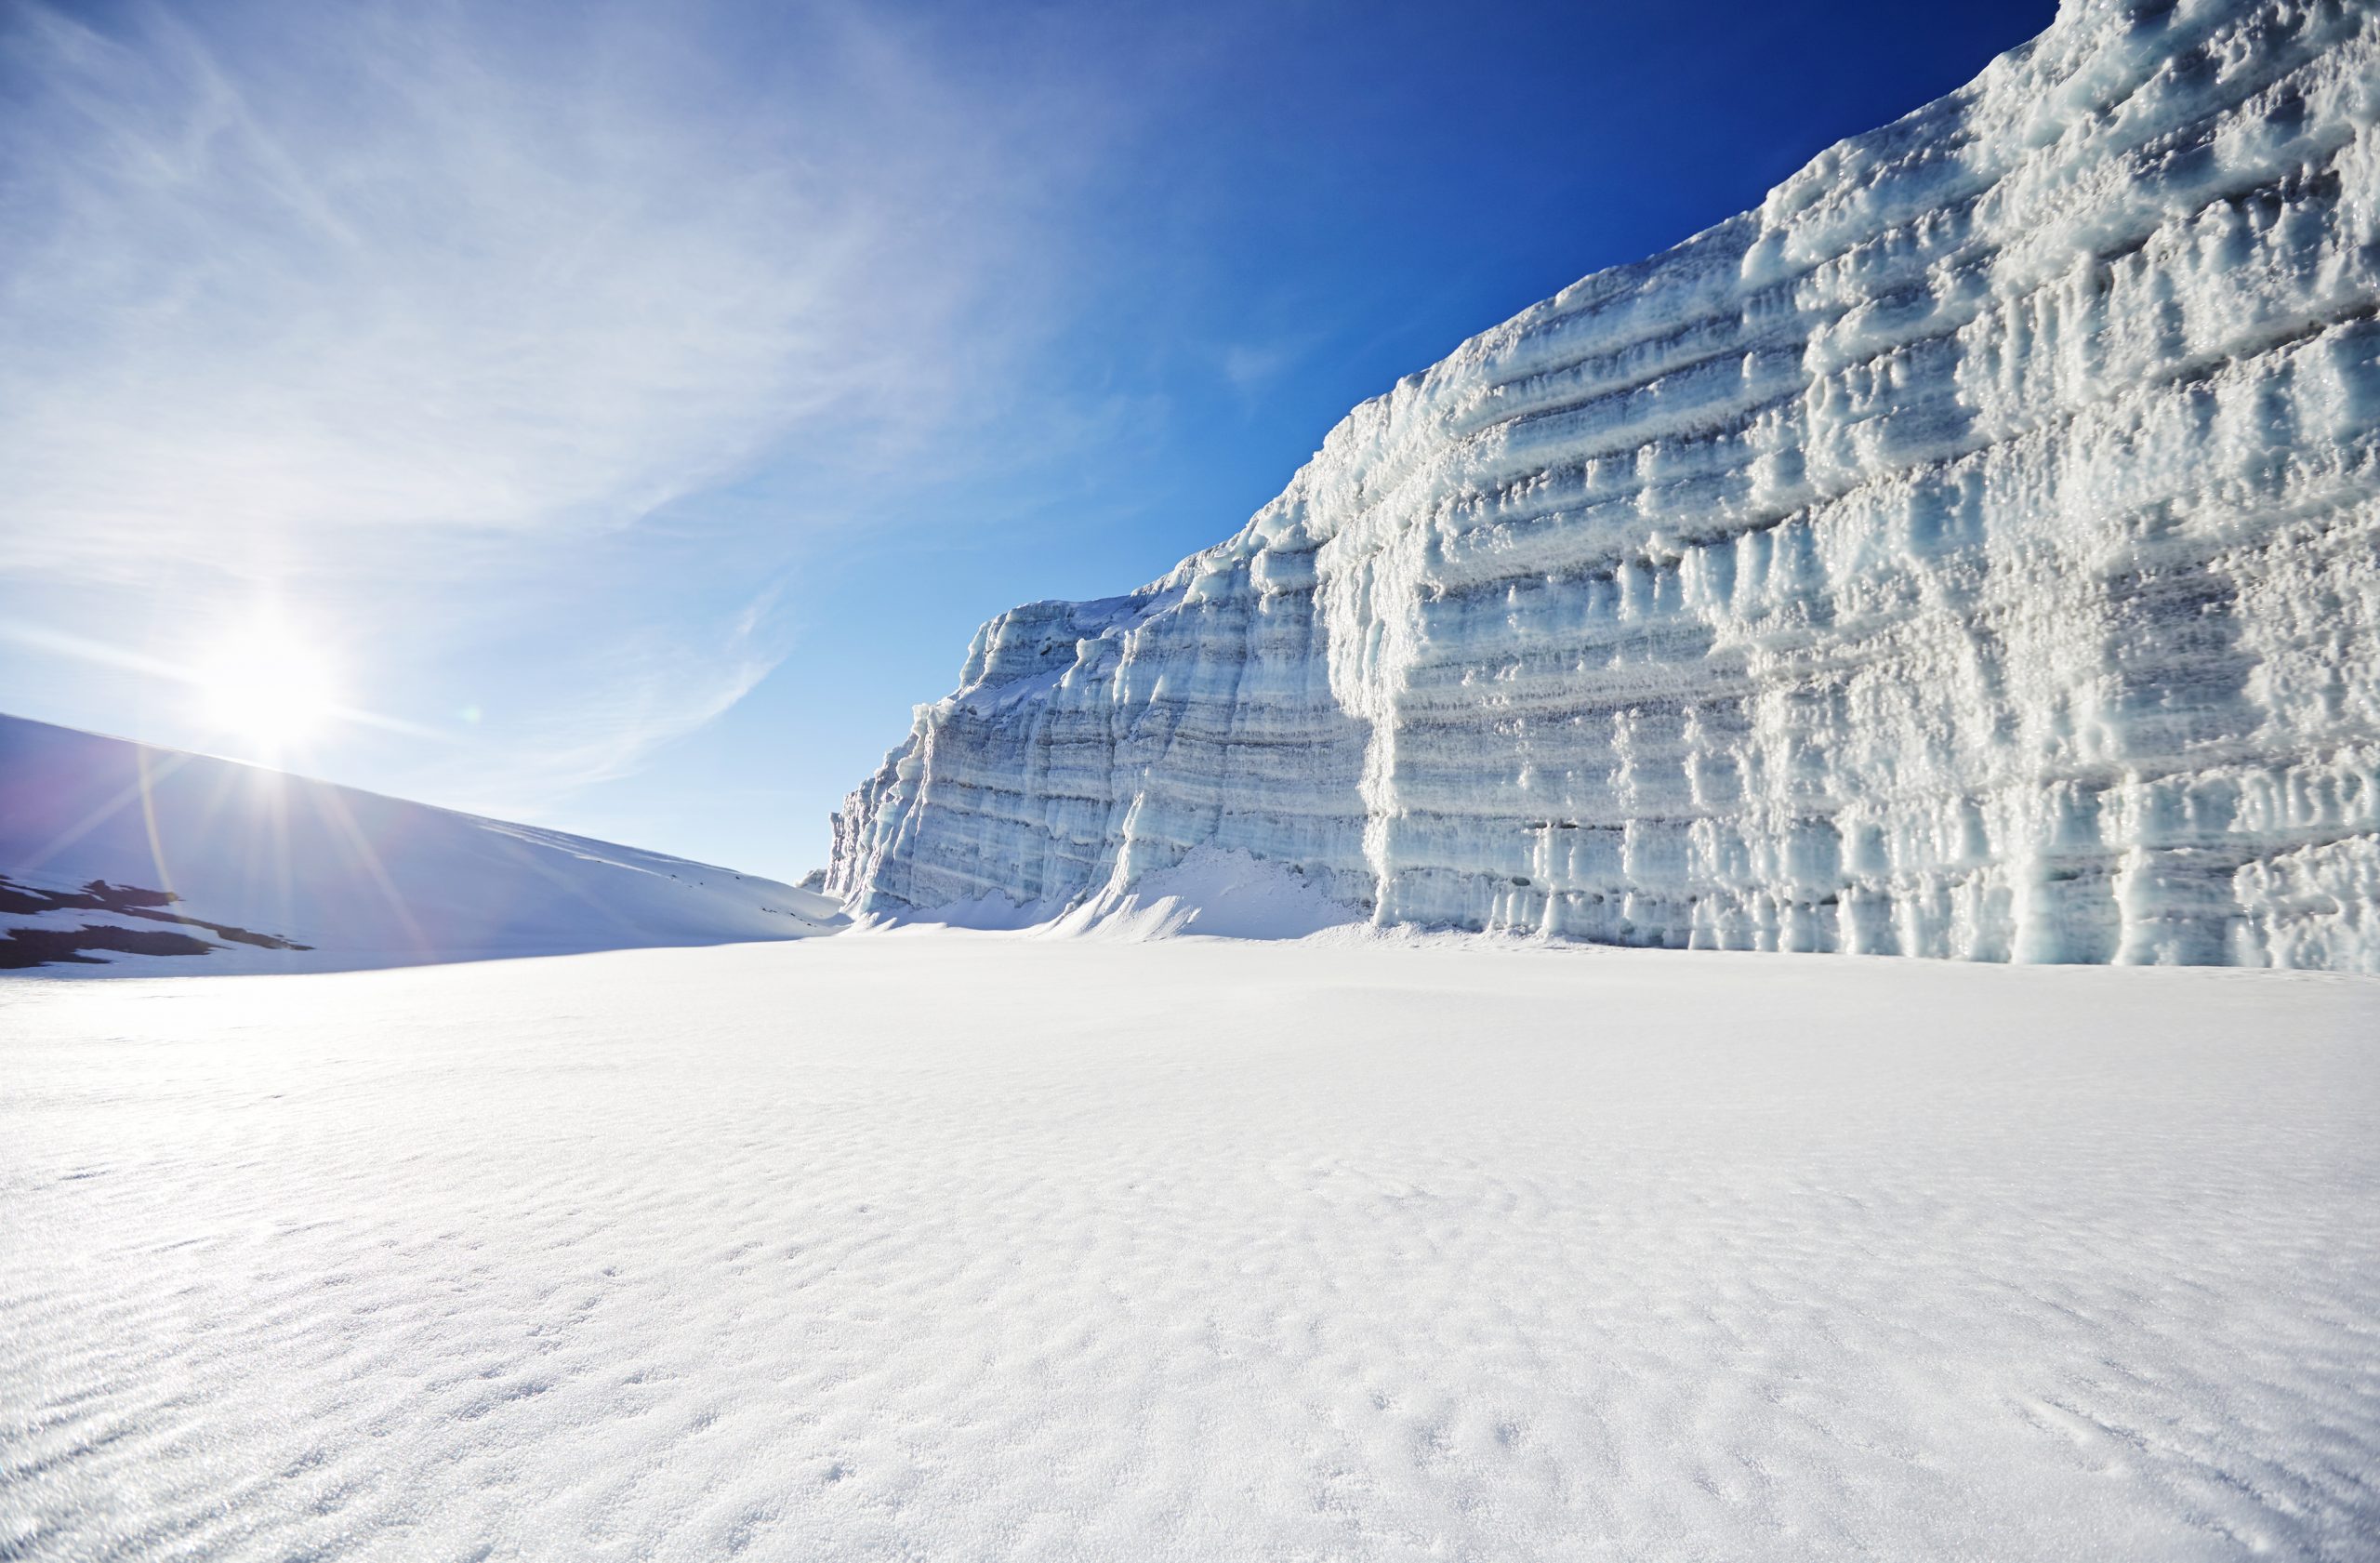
{"x": 1973, "y": 552}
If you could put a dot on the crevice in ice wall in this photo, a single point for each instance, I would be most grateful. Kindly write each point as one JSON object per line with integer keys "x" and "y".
{"x": 1973, "y": 552}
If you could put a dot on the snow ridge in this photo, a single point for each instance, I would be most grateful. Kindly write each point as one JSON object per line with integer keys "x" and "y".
{"x": 1971, "y": 551}
{"x": 118, "y": 858}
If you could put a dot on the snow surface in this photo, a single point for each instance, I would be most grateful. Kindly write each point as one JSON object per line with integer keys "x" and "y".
{"x": 946, "y": 1245}
{"x": 1974, "y": 551}
{"x": 358, "y": 879}
{"x": 1212, "y": 891}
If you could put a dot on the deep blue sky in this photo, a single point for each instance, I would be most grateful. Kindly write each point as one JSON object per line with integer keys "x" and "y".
{"x": 559, "y": 375}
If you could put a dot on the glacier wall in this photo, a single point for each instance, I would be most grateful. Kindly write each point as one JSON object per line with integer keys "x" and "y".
{"x": 1973, "y": 552}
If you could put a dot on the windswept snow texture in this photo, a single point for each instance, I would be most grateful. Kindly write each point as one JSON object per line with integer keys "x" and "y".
{"x": 1973, "y": 552}
{"x": 115, "y": 857}
{"x": 977, "y": 1246}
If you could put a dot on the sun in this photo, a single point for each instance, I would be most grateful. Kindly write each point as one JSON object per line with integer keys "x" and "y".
{"x": 268, "y": 688}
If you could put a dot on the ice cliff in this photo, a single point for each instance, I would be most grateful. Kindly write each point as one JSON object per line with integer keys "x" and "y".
{"x": 1971, "y": 551}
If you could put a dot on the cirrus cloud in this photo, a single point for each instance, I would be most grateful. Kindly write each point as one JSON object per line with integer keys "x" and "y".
{"x": 430, "y": 314}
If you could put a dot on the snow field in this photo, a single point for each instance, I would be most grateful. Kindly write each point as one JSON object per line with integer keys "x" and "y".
{"x": 946, "y": 1245}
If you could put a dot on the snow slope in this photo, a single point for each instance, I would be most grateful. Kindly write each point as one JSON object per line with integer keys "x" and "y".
{"x": 950, "y": 1246}
{"x": 1974, "y": 551}
{"x": 273, "y": 872}
{"x": 1210, "y": 892}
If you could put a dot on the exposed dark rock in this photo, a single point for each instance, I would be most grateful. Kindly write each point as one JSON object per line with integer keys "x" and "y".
{"x": 36, "y": 947}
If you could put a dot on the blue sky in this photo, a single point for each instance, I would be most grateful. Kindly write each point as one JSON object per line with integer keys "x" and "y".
{"x": 630, "y": 410}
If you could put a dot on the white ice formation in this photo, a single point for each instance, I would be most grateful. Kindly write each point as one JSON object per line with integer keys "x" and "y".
{"x": 1973, "y": 552}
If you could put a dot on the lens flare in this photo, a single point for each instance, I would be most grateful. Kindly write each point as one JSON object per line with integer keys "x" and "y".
{"x": 268, "y": 688}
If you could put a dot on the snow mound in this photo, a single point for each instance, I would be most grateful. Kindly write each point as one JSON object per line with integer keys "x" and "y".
{"x": 115, "y": 856}
{"x": 1212, "y": 893}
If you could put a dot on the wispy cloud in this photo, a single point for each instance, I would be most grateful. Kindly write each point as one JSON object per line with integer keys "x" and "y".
{"x": 426, "y": 311}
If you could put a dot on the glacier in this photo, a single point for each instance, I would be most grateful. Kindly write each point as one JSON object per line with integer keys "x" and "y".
{"x": 1971, "y": 551}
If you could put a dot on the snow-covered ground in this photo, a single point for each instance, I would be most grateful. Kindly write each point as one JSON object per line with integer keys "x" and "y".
{"x": 971, "y": 1245}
